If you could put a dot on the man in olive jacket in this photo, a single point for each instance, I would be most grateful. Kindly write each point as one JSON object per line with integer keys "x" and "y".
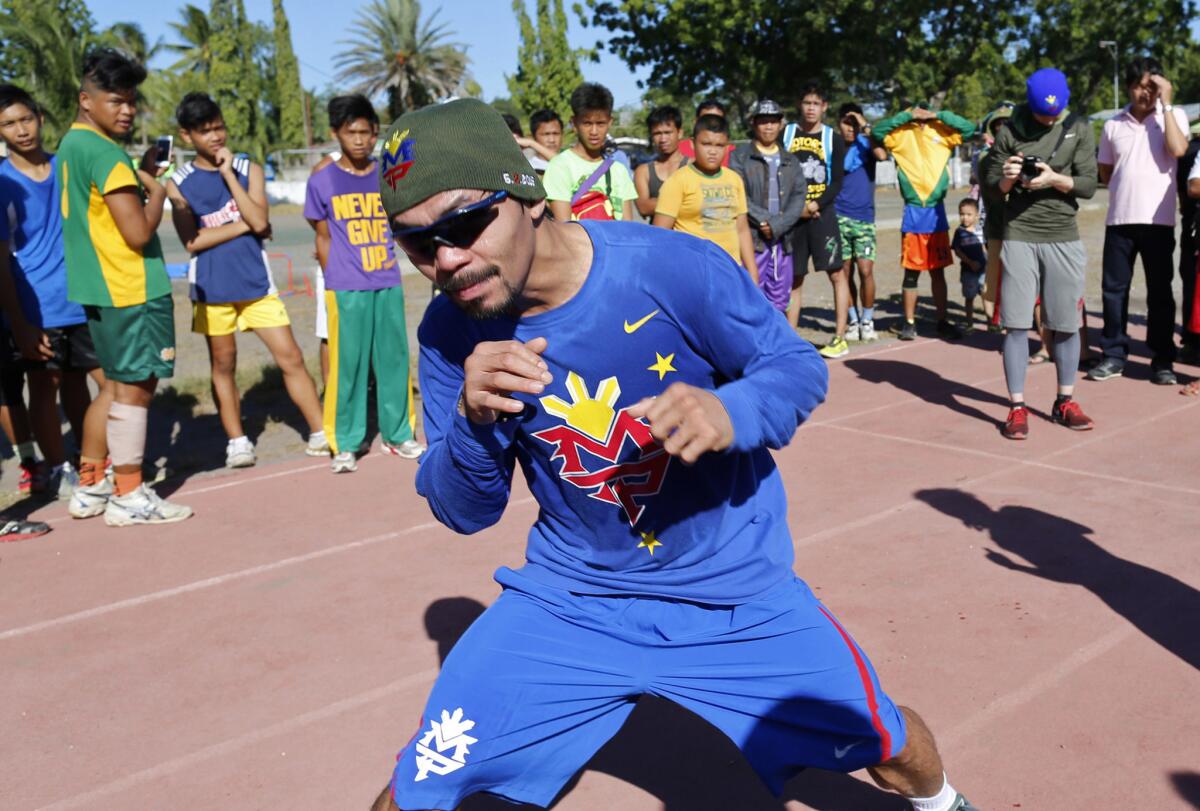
{"x": 1044, "y": 161}
{"x": 775, "y": 191}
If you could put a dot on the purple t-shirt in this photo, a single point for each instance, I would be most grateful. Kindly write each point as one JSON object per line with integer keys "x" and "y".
{"x": 360, "y": 251}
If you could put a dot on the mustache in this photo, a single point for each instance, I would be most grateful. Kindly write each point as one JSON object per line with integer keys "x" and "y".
{"x": 466, "y": 278}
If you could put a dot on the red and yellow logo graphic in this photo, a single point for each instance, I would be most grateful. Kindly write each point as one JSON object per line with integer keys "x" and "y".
{"x": 398, "y": 157}
{"x": 595, "y": 430}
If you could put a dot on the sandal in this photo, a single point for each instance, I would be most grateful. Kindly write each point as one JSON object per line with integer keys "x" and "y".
{"x": 1191, "y": 389}
{"x": 1039, "y": 357}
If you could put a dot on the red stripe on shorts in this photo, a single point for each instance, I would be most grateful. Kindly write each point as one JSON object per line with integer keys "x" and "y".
{"x": 885, "y": 737}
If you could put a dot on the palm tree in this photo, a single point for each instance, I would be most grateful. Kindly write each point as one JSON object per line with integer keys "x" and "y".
{"x": 393, "y": 51}
{"x": 130, "y": 38}
{"x": 44, "y": 44}
{"x": 194, "y": 33}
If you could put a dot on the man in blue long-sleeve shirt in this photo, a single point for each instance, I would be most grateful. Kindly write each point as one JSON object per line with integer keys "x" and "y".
{"x": 640, "y": 379}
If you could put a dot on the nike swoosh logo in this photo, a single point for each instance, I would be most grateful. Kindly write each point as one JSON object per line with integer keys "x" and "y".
{"x": 839, "y": 752}
{"x": 636, "y": 325}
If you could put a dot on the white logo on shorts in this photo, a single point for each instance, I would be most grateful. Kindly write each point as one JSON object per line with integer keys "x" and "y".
{"x": 434, "y": 749}
{"x": 839, "y": 752}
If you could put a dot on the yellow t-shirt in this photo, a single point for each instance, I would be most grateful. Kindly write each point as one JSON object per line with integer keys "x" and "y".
{"x": 706, "y": 206}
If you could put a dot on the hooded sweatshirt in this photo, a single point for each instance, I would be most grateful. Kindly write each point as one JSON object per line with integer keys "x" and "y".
{"x": 1045, "y": 215}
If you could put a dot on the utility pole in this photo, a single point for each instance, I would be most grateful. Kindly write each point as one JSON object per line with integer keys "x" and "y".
{"x": 1111, "y": 47}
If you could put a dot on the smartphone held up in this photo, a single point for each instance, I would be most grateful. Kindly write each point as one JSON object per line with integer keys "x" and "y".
{"x": 163, "y": 147}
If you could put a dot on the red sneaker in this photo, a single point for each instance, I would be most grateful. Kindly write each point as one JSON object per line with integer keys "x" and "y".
{"x": 1017, "y": 424}
{"x": 1069, "y": 413}
{"x": 33, "y": 477}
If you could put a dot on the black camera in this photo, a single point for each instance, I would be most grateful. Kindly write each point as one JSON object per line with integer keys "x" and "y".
{"x": 1029, "y": 167}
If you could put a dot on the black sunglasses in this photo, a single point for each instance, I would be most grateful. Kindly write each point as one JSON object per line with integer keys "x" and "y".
{"x": 458, "y": 229}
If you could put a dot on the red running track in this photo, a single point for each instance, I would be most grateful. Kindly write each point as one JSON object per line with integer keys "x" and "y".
{"x": 1037, "y": 602}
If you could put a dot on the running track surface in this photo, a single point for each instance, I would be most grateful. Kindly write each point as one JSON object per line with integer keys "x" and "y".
{"x": 1037, "y": 602}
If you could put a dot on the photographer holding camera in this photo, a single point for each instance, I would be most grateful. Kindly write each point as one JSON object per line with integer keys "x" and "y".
{"x": 1042, "y": 162}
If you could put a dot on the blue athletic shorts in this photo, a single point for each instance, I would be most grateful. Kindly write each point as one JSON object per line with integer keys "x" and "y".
{"x": 545, "y": 677}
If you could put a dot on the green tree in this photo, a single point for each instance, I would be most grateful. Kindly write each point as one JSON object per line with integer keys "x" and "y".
{"x": 234, "y": 78}
{"x": 547, "y": 67}
{"x": 194, "y": 48}
{"x": 395, "y": 53}
{"x": 44, "y": 42}
{"x": 287, "y": 82}
{"x": 882, "y": 51}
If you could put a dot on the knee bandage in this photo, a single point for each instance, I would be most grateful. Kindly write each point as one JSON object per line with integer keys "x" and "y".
{"x": 910, "y": 279}
{"x": 126, "y": 433}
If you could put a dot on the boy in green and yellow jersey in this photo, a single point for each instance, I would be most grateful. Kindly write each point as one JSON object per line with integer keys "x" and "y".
{"x": 115, "y": 268}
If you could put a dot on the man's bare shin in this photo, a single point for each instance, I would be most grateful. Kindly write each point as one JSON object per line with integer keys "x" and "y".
{"x": 916, "y": 771}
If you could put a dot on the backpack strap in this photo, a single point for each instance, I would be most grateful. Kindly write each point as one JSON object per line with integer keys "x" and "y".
{"x": 1067, "y": 123}
{"x": 586, "y": 186}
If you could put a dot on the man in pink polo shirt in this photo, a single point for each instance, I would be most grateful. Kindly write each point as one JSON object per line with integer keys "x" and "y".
{"x": 1139, "y": 149}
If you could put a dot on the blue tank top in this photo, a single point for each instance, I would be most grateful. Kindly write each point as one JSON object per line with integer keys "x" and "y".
{"x": 236, "y": 270}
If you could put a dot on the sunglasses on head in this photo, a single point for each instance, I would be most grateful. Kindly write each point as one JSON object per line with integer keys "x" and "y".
{"x": 457, "y": 229}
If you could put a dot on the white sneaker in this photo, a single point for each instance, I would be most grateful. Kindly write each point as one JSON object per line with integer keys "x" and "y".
{"x": 852, "y": 332}
{"x": 408, "y": 449}
{"x": 240, "y": 454}
{"x": 143, "y": 506}
{"x": 90, "y": 500}
{"x": 866, "y": 331}
{"x": 63, "y": 480}
{"x": 318, "y": 444}
{"x": 344, "y": 462}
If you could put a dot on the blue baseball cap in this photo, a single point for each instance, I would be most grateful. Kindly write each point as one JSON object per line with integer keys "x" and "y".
{"x": 1047, "y": 91}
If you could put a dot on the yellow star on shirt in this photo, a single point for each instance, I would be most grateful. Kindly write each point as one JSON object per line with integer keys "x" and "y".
{"x": 662, "y": 365}
{"x": 649, "y": 542}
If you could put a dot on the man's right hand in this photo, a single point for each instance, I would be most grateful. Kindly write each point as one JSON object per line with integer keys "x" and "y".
{"x": 497, "y": 369}
{"x": 33, "y": 343}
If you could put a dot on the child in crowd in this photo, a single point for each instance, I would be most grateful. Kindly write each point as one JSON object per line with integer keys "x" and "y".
{"x": 50, "y": 333}
{"x": 364, "y": 300}
{"x": 855, "y": 209}
{"x": 775, "y": 200}
{"x": 968, "y": 246}
{"x": 586, "y": 182}
{"x": 538, "y": 155}
{"x": 115, "y": 268}
{"x": 547, "y": 129}
{"x": 665, "y": 125}
{"x": 220, "y": 212}
{"x": 707, "y": 200}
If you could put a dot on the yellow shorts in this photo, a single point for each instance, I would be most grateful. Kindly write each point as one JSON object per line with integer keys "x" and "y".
{"x": 239, "y": 316}
{"x": 925, "y": 251}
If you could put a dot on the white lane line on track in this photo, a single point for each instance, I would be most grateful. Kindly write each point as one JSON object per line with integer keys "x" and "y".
{"x": 1022, "y": 462}
{"x": 1036, "y": 686}
{"x": 231, "y": 745}
{"x": 218, "y": 580}
{"x": 867, "y": 520}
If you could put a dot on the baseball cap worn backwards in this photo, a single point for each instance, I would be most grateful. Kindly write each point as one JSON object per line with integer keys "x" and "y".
{"x": 1047, "y": 91}
{"x": 462, "y": 144}
{"x": 766, "y": 107}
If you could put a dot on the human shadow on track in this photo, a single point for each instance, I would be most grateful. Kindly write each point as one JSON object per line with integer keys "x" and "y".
{"x": 931, "y": 387}
{"x": 698, "y": 770}
{"x": 1163, "y": 608}
{"x": 1187, "y": 784}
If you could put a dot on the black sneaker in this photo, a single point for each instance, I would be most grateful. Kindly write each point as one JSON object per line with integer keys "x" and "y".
{"x": 1106, "y": 369}
{"x": 908, "y": 331}
{"x": 1189, "y": 353}
{"x": 1163, "y": 376}
{"x": 15, "y": 530}
{"x": 948, "y": 331}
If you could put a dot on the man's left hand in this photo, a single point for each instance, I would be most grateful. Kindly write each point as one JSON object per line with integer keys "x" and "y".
{"x": 687, "y": 420}
{"x": 1044, "y": 180}
{"x": 1165, "y": 91}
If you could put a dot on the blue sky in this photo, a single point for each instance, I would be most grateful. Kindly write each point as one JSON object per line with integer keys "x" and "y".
{"x": 486, "y": 27}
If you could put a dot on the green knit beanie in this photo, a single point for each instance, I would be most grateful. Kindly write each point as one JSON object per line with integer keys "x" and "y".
{"x": 462, "y": 144}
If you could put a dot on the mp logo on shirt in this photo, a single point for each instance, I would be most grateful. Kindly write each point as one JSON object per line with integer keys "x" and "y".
{"x": 445, "y": 746}
{"x": 595, "y": 430}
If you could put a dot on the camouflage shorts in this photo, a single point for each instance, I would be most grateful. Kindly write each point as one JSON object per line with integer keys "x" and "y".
{"x": 858, "y": 238}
